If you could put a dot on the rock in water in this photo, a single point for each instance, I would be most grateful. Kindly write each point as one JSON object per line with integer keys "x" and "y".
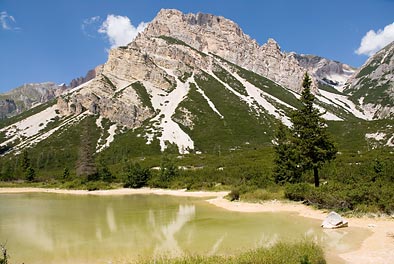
{"x": 334, "y": 220}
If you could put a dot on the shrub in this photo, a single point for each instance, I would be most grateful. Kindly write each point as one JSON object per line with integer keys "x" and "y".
{"x": 298, "y": 191}
{"x": 136, "y": 176}
{"x": 233, "y": 195}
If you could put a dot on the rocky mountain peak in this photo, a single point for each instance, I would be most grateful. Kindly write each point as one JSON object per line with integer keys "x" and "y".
{"x": 324, "y": 70}
{"x": 223, "y": 37}
{"x": 272, "y": 45}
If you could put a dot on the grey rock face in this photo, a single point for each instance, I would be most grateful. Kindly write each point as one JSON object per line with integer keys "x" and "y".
{"x": 327, "y": 71}
{"x": 24, "y": 97}
{"x": 89, "y": 76}
{"x": 372, "y": 86}
{"x": 224, "y": 38}
{"x": 7, "y": 107}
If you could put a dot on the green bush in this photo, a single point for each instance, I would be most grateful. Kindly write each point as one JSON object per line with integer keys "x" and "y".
{"x": 234, "y": 195}
{"x": 298, "y": 191}
{"x": 136, "y": 176}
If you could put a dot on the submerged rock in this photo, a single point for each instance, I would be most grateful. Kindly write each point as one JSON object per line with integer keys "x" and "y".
{"x": 334, "y": 220}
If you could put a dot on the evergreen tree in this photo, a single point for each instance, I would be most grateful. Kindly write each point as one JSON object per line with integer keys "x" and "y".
{"x": 168, "y": 170}
{"x": 30, "y": 174}
{"x": 25, "y": 161}
{"x": 309, "y": 134}
{"x": 66, "y": 174}
{"x": 136, "y": 176}
{"x": 104, "y": 172}
{"x": 286, "y": 158}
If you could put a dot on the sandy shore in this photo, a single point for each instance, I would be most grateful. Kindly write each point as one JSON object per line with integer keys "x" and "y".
{"x": 377, "y": 248}
{"x": 124, "y": 191}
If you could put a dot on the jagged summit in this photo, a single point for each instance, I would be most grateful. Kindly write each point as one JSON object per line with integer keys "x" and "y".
{"x": 190, "y": 82}
{"x": 333, "y": 73}
{"x": 223, "y": 37}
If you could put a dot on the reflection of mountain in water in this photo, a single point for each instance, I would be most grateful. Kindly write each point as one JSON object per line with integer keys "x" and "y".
{"x": 168, "y": 244}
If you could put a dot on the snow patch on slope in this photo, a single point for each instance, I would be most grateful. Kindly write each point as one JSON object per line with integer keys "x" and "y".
{"x": 28, "y": 134}
{"x": 78, "y": 87}
{"x": 166, "y": 104}
{"x": 327, "y": 115}
{"x": 260, "y": 97}
{"x": 343, "y": 102}
{"x": 29, "y": 126}
{"x": 40, "y": 137}
{"x": 390, "y": 142}
{"x": 109, "y": 139}
{"x": 378, "y": 136}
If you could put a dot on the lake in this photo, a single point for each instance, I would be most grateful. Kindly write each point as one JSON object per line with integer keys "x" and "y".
{"x": 61, "y": 228}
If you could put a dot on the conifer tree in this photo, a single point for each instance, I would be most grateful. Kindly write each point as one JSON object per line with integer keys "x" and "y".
{"x": 286, "y": 159}
{"x": 25, "y": 160}
{"x": 306, "y": 145}
{"x": 309, "y": 134}
{"x": 30, "y": 174}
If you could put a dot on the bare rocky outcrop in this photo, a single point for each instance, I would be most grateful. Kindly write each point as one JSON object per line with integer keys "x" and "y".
{"x": 223, "y": 37}
{"x": 172, "y": 45}
{"x": 91, "y": 74}
{"x": 324, "y": 70}
{"x": 372, "y": 86}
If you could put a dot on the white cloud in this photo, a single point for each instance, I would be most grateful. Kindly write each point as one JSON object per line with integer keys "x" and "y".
{"x": 374, "y": 41}
{"x": 90, "y": 25}
{"x": 119, "y": 30}
{"x": 7, "y": 21}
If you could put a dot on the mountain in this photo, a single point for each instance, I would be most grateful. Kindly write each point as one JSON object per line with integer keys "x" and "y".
{"x": 326, "y": 71}
{"x": 190, "y": 83}
{"x": 89, "y": 76}
{"x": 26, "y": 96}
{"x": 372, "y": 86}
{"x": 224, "y": 38}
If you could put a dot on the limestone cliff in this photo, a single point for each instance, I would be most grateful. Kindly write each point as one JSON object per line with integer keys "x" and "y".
{"x": 223, "y": 37}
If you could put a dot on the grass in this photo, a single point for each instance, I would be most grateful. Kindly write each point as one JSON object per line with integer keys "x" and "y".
{"x": 259, "y": 195}
{"x": 264, "y": 84}
{"x": 304, "y": 252}
{"x": 226, "y": 77}
{"x": 143, "y": 94}
{"x": 240, "y": 127}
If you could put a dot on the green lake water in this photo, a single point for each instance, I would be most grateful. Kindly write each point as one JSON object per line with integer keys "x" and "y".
{"x": 57, "y": 228}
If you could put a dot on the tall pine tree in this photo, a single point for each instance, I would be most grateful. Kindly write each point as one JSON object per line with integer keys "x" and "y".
{"x": 307, "y": 146}
{"x": 309, "y": 133}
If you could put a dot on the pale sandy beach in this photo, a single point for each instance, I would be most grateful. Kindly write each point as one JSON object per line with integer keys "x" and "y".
{"x": 377, "y": 248}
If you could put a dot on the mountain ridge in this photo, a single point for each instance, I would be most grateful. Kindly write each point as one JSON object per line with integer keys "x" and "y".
{"x": 170, "y": 93}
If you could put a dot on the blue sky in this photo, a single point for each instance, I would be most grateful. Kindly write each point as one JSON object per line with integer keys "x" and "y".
{"x": 48, "y": 40}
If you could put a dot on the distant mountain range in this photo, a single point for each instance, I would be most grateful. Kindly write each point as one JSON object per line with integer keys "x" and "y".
{"x": 29, "y": 95}
{"x": 195, "y": 83}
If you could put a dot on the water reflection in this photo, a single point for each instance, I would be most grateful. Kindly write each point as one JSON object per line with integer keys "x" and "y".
{"x": 168, "y": 245}
{"x": 48, "y": 228}
{"x": 111, "y": 219}
{"x": 215, "y": 247}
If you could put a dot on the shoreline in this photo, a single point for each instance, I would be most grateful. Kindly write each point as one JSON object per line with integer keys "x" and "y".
{"x": 376, "y": 248}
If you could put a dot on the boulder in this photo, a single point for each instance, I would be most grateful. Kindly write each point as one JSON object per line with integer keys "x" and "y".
{"x": 334, "y": 220}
